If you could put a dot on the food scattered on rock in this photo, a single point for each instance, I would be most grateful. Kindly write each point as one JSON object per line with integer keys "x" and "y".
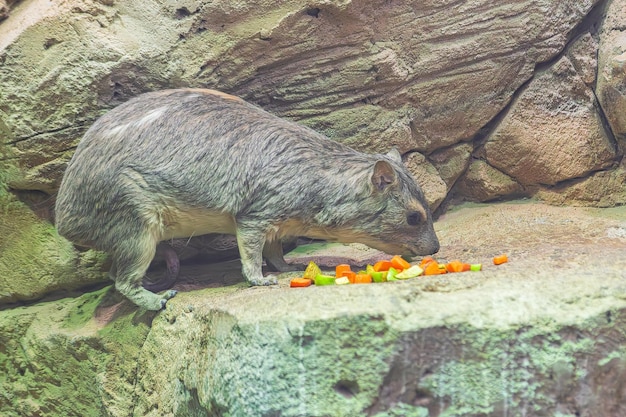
{"x": 499, "y": 260}
{"x": 300, "y": 282}
{"x": 395, "y": 269}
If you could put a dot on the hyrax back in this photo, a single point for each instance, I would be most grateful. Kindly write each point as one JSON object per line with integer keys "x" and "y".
{"x": 188, "y": 162}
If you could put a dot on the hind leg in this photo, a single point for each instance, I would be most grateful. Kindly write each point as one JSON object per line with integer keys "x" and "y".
{"x": 131, "y": 261}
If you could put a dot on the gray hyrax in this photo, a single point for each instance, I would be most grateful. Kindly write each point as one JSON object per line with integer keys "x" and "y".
{"x": 188, "y": 162}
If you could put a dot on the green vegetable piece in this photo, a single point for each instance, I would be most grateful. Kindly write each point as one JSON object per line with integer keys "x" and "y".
{"x": 321, "y": 279}
{"x": 377, "y": 276}
{"x": 411, "y": 272}
{"x": 476, "y": 267}
{"x": 391, "y": 274}
{"x": 311, "y": 271}
{"x": 369, "y": 269}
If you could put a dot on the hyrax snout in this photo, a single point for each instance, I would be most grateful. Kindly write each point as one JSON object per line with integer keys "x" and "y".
{"x": 188, "y": 162}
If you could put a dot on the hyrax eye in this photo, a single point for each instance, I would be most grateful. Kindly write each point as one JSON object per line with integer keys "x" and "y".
{"x": 413, "y": 218}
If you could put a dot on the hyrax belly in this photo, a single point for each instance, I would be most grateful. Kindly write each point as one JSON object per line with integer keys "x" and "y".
{"x": 181, "y": 222}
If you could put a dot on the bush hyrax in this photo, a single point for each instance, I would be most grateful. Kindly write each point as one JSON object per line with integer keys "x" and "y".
{"x": 188, "y": 162}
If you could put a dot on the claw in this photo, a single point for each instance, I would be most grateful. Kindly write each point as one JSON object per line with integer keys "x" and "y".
{"x": 168, "y": 294}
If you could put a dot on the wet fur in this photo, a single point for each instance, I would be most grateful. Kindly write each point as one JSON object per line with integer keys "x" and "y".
{"x": 187, "y": 162}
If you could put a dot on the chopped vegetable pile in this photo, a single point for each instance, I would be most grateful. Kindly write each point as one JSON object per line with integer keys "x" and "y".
{"x": 394, "y": 269}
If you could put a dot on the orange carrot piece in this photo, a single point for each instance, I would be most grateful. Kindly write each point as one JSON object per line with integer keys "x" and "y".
{"x": 432, "y": 268}
{"x": 351, "y": 275}
{"x": 499, "y": 260}
{"x": 457, "y": 266}
{"x": 300, "y": 282}
{"x": 399, "y": 263}
{"x": 381, "y": 266}
{"x": 340, "y": 269}
{"x": 363, "y": 279}
{"x": 454, "y": 266}
{"x": 426, "y": 260}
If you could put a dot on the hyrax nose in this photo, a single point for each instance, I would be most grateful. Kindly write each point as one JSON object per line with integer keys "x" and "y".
{"x": 435, "y": 247}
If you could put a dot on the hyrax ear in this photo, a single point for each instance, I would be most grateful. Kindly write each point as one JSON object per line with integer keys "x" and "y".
{"x": 394, "y": 154}
{"x": 384, "y": 175}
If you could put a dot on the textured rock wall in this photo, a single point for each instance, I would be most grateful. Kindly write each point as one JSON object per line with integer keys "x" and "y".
{"x": 514, "y": 80}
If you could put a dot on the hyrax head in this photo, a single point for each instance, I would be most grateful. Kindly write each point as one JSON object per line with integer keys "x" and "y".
{"x": 394, "y": 216}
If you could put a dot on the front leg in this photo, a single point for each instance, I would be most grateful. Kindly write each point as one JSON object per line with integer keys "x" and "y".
{"x": 251, "y": 240}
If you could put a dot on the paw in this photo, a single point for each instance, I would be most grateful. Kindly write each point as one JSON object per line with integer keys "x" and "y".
{"x": 168, "y": 294}
{"x": 268, "y": 280}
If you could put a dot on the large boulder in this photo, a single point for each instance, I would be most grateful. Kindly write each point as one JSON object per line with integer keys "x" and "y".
{"x": 554, "y": 133}
{"x": 542, "y": 335}
{"x": 482, "y": 182}
{"x": 601, "y": 189}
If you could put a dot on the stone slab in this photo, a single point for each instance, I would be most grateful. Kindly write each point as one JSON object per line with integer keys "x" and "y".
{"x": 542, "y": 335}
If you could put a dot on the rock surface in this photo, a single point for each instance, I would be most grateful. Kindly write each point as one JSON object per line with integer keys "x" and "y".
{"x": 35, "y": 260}
{"x": 602, "y": 189}
{"x": 485, "y": 101}
{"x": 541, "y": 335}
{"x": 482, "y": 182}
{"x": 553, "y": 133}
{"x": 346, "y": 68}
{"x": 611, "y": 84}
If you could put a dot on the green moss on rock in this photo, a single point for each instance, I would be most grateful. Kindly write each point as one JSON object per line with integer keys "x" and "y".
{"x": 71, "y": 357}
{"x": 314, "y": 368}
{"x": 404, "y": 410}
{"x": 508, "y": 370}
{"x": 46, "y": 373}
{"x": 35, "y": 260}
